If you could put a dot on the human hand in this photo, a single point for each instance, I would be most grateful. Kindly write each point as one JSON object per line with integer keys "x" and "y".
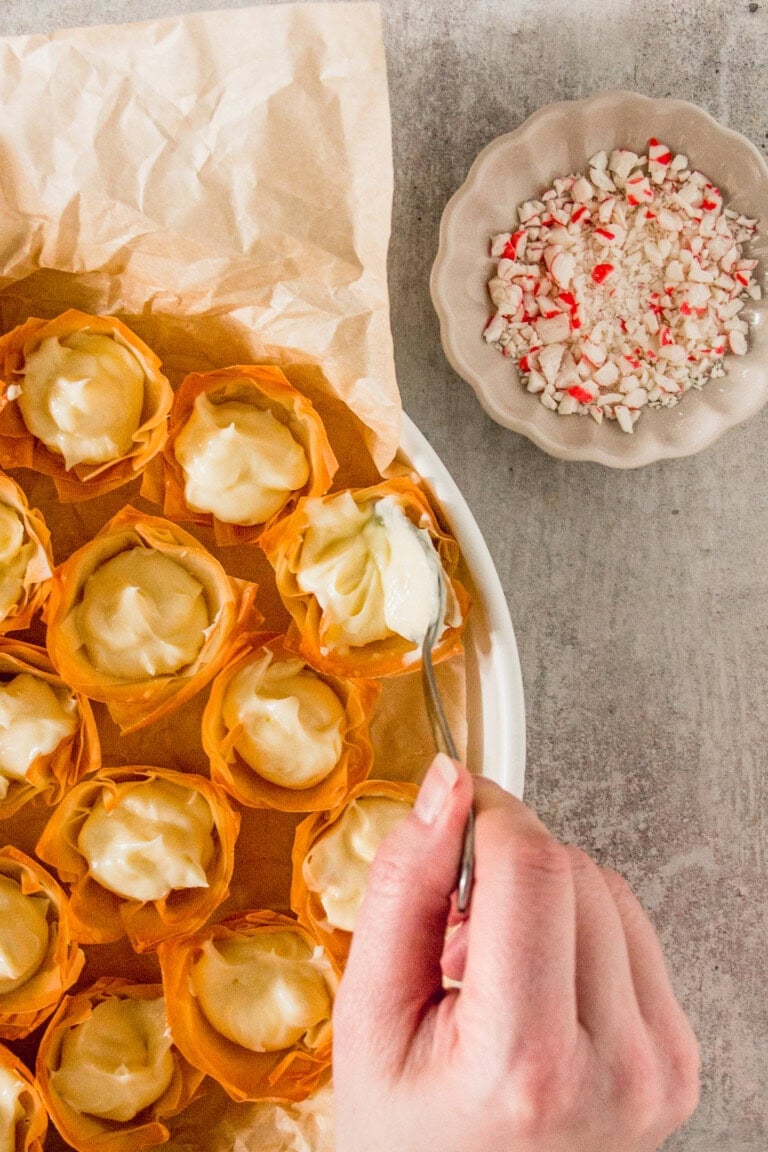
{"x": 565, "y": 1035}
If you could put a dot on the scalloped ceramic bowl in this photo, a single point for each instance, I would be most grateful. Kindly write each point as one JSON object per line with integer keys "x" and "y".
{"x": 555, "y": 141}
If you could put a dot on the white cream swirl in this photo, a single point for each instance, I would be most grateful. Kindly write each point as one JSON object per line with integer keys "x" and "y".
{"x": 16, "y": 551}
{"x": 154, "y": 838}
{"x": 34, "y": 719}
{"x": 265, "y": 991}
{"x": 118, "y": 1061}
{"x": 290, "y": 721}
{"x": 337, "y": 865}
{"x": 83, "y": 396}
{"x": 142, "y": 615}
{"x": 369, "y": 569}
{"x": 239, "y": 462}
{"x": 24, "y": 934}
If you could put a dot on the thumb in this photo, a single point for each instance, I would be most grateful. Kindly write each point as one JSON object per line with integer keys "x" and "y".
{"x": 393, "y": 970}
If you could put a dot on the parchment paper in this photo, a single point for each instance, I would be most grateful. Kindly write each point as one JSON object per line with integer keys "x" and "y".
{"x": 223, "y": 183}
{"x": 223, "y": 180}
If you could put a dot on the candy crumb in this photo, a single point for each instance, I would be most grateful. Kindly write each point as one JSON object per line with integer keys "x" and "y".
{"x": 622, "y": 289}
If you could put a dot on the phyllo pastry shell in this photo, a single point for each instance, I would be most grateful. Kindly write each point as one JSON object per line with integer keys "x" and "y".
{"x": 39, "y": 959}
{"x": 332, "y": 856}
{"x": 23, "y": 1118}
{"x": 48, "y": 736}
{"x": 250, "y": 1002}
{"x": 243, "y": 446}
{"x": 358, "y": 571}
{"x": 143, "y": 616}
{"x": 108, "y": 1070}
{"x": 147, "y": 852}
{"x": 83, "y": 401}
{"x": 26, "y": 559}
{"x": 280, "y": 735}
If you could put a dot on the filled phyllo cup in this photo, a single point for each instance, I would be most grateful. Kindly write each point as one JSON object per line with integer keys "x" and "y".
{"x": 23, "y": 1118}
{"x": 48, "y": 735}
{"x": 143, "y": 616}
{"x": 280, "y": 735}
{"x": 83, "y": 400}
{"x": 39, "y": 958}
{"x": 109, "y": 1071}
{"x": 332, "y": 856}
{"x": 250, "y": 1001}
{"x": 146, "y": 852}
{"x": 364, "y": 573}
{"x": 243, "y": 446}
{"x": 26, "y": 559}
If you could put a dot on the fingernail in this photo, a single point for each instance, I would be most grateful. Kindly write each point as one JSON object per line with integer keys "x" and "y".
{"x": 436, "y": 788}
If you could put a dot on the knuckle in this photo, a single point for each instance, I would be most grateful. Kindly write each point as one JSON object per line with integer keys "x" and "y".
{"x": 619, "y": 887}
{"x": 639, "y": 1086}
{"x": 542, "y": 1095}
{"x": 540, "y": 856}
{"x": 684, "y": 1080}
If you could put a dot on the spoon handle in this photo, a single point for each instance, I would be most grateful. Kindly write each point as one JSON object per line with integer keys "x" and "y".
{"x": 445, "y": 743}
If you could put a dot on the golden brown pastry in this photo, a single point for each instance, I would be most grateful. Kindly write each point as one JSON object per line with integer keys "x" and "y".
{"x": 23, "y": 1118}
{"x": 26, "y": 560}
{"x": 108, "y": 1070}
{"x": 39, "y": 958}
{"x": 250, "y": 1002}
{"x": 143, "y": 617}
{"x": 280, "y": 735}
{"x": 83, "y": 401}
{"x": 48, "y": 736}
{"x": 243, "y": 446}
{"x": 357, "y": 571}
{"x": 147, "y": 853}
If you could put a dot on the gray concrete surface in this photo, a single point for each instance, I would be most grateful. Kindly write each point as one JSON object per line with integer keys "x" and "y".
{"x": 640, "y": 600}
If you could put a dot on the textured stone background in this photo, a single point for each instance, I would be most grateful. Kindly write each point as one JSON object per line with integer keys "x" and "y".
{"x": 640, "y": 600}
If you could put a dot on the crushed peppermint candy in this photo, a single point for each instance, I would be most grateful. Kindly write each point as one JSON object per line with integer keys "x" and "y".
{"x": 622, "y": 289}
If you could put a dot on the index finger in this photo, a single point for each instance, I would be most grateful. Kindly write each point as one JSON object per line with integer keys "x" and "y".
{"x": 519, "y": 980}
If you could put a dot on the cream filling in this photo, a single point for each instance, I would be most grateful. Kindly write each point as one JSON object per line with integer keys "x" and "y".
{"x": 369, "y": 569}
{"x": 34, "y": 719}
{"x": 15, "y": 556}
{"x": 291, "y": 722}
{"x": 24, "y": 935}
{"x": 239, "y": 462}
{"x": 11, "y": 1108}
{"x": 156, "y": 838}
{"x": 337, "y": 865}
{"x": 83, "y": 396}
{"x": 142, "y": 615}
{"x": 265, "y": 991}
{"x": 118, "y": 1061}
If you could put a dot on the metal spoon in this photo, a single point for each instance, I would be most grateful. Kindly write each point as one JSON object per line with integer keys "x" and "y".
{"x": 440, "y": 730}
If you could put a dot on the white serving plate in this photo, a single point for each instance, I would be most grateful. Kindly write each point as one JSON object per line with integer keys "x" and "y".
{"x": 495, "y": 705}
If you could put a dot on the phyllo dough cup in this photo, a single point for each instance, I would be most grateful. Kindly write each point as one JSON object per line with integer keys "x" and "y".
{"x": 355, "y": 700}
{"x": 290, "y": 1073}
{"x": 100, "y": 914}
{"x": 265, "y": 389}
{"x": 78, "y": 752}
{"x": 27, "y": 559}
{"x": 306, "y": 902}
{"x": 32, "y": 1123}
{"x": 90, "y": 1133}
{"x": 20, "y": 448}
{"x": 310, "y": 631}
{"x": 26, "y": 1006}
{"x": 227, "y": 604}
